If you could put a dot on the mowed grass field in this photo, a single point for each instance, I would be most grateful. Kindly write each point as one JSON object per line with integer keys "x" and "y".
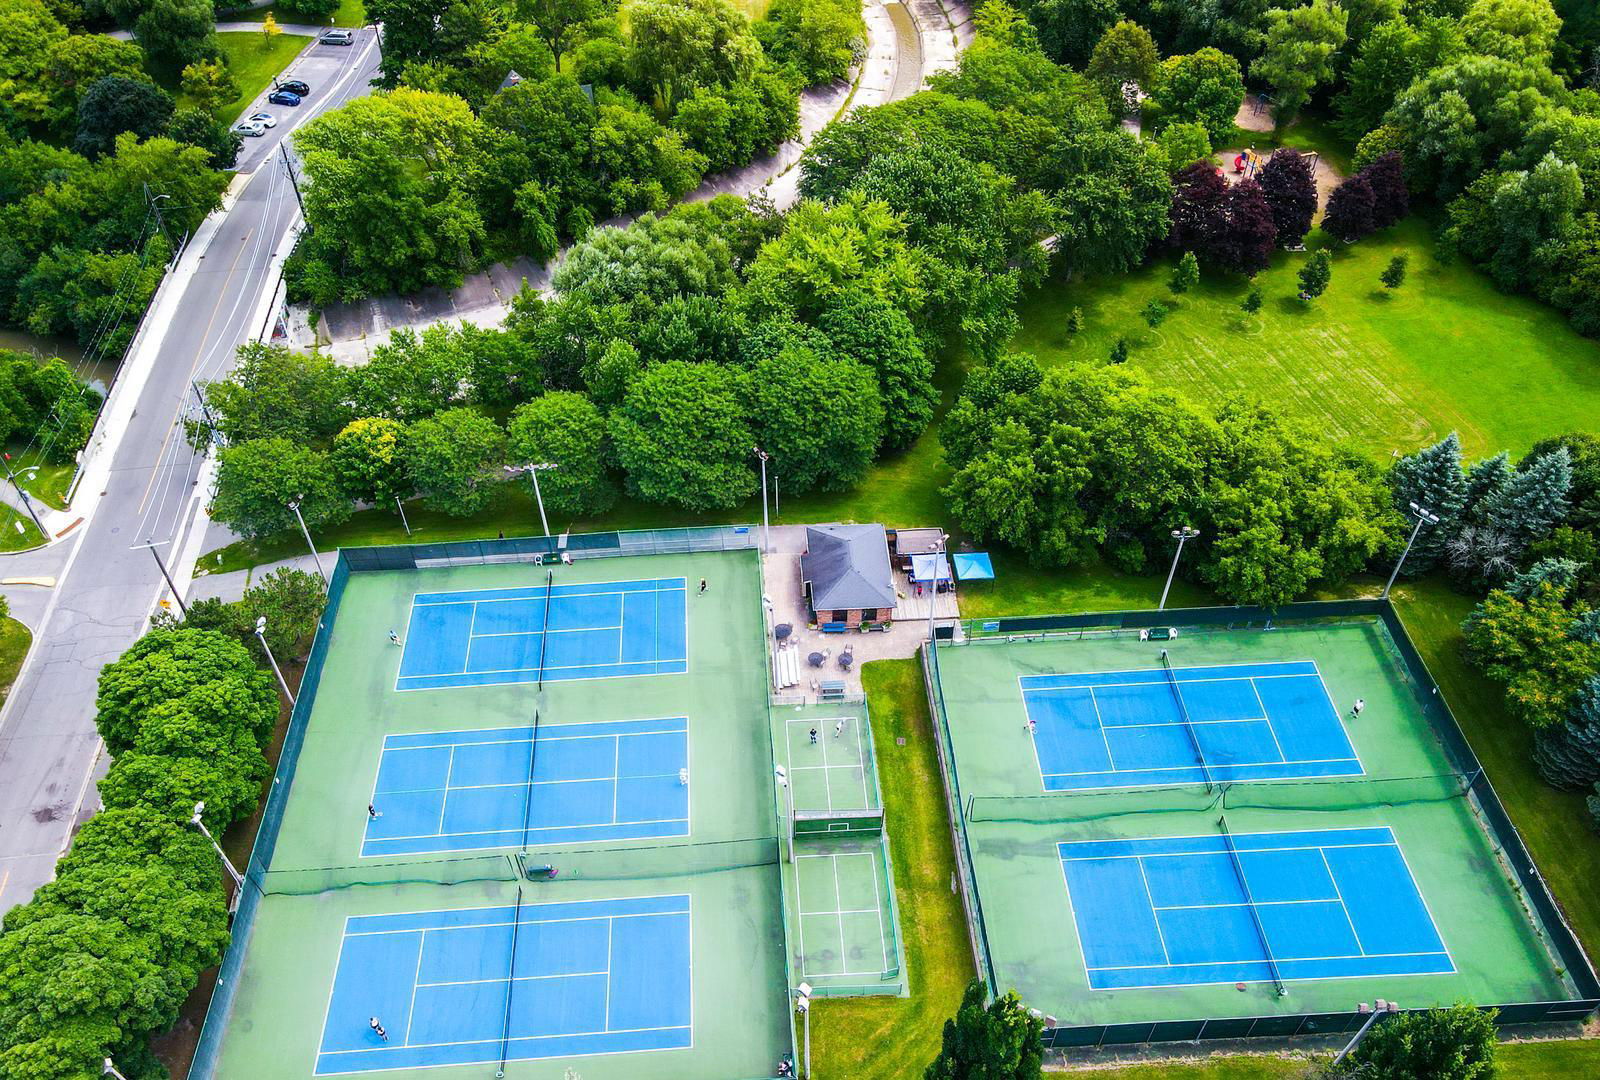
{"x": 1389, "y": 371}
{"x": 254, "y": 61}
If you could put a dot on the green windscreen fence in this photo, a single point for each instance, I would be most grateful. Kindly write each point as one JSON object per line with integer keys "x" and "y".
{"x": 1305, "y": 795}
{"x": 838, "y": 823}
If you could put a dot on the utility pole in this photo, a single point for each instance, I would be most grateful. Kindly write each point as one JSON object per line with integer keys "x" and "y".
{"x": 152, "y": 545}
{"x": 27, "y": 503}
{"x": 1424, "y": 517}
{"x": 1182, "y": 536}
{"x": 294, "y": 504}
{"x": 294, "y": 180}
{"x": 533, "y": 470}
{"x": 205, "y": 410}
{"x": 766, "y": 529}
{"x": 155, "y": 208}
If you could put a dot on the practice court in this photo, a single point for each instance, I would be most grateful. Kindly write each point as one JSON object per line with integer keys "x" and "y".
{"x": 586, "y": 630}
{"x": 1151, "y": 727}
{"x": 508, "y": 787}
{"x": 1251, "y": 907}
{"x": 478, "y": 985}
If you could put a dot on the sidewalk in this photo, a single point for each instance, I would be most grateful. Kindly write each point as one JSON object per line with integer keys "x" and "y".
{"x": 905, "y": 44}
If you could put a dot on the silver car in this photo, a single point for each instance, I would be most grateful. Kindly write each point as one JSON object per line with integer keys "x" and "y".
{"x": 252, "y": 128}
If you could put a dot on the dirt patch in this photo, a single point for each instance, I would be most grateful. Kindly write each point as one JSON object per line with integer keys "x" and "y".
{"x": 1326, "y": 175}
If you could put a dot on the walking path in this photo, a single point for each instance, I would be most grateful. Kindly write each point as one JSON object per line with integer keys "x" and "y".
{"x": 906, "y": 43}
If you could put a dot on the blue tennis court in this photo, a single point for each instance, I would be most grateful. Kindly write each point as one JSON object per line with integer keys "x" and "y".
{"x": 1147, "y": 728}
{"x": 1183, "y": 911}
{"x": 467, "y": 790}
{"x": 459, "y": 987}
{"x": 595, "y": 630}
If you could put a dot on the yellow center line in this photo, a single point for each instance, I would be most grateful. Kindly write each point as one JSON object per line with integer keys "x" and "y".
{"x": 222, "y": 296}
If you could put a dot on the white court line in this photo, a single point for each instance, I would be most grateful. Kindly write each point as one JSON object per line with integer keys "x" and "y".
{"x": 1268, "y": 718}
{"x": 1340, "y": 894}
{"x": 1228, "y": 765}
{"x": 535, "y": 829}
{"x": 1150, "y": 898}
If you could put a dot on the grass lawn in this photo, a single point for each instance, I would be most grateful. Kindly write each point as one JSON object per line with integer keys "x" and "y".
{"x": 14, "y": 641}
{"x": 17, "y": 531}
{"x": 46, "y": 483}
{"x": 1386, "y": 371}
{"x": 254, "y": 61}
{"x": 351, "y": 13}
{"x": 877, "y": 1037}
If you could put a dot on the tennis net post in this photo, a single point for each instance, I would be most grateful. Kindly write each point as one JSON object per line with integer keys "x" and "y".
{"x": 544, "y": 627}
{"x": 1250, "y": 903}
{"x": 1183, "y": 718}
{"x": 511, "y": 986}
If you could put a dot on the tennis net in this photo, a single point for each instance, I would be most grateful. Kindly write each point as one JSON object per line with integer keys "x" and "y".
{"x": 511, "y": 986}
{"x": 1183, "y": 718}
{"x": 544, "y": 627}
{"x": 1354, "y": 793}
{"x": 1250, "y": 903}
{"x": 527, "y": 791}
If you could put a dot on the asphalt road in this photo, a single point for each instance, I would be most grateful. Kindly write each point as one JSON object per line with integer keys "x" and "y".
{"x": 50, "y": 753}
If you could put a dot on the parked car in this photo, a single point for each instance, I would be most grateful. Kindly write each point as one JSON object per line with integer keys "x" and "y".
{"x": 294, "y": 86}
{"x": 338, "y": 37}
{"x": 283, "y": 97}
{"x": 265, "y": 119}
{"x": 252, "y": 128}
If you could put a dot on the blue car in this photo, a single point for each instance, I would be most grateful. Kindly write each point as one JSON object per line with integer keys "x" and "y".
{"x": 283, "y": 97}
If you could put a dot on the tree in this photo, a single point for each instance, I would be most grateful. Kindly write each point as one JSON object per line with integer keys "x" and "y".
{"x": 1300, "y": 49}
{"x": 1242, "y": 238}
{"x": 209, "y": 84}
{"x": 1197, "y": 195}
{"x": 1069, "y": 29}
{"x": 1252, "y": 301}
{"x": 1568, "y": 756}
{"x": 1384, "y": 65}
{"x": 390, "y": 192}
{"x": 565, "y": 429}
{"x": 1154, "y": 312}
{"x": 677, "y": 45}
{"x": 1113, "y": 198}
{"x": 1394, "y": 275}
{"x": 1583, "y": 450}
{"x": 1528, "y": 647}
{"x": 116, "y": 104}
{"x": 256, "y": 481}
{"x": 413, "y": 376}
{"x": 276, "y": 391}
{"x": 1513, "y": 221}
{"x": 821, "y": 420}
{"x": 560, "y": 22}
{"x": 1204, "y": 87}
{"x": 1316, "y": 274}
{"x": 77, "y": 62}
{"x": 683, "y": 437}
{"x": 270, "y": 30}
{"x": 731, "y": 125}
{"x": 647, "y": 165}
{"x": 176, "y": 33}
{"x": 1522, "y": 31}
{"x": 1185, "y": 275}
{"x": 1433, "y": 479}
{"x": 1290, "y": 188}
{"x": 1349, "y": 213}
{"x": 454, "y": 460}
{"x": 365, "y": 460}
{"x": 1391, "y": 201}
{"x": 162, "y": 666}
{"x": 1124, "y": 55}
{"x": 880, "y": 335}
{"x": 199, "y": 128}
{"x": 1119, "y": 351}
{"x": 1000, "y": 1041}
{"x": 28, "y": 31}
{"x": 819, "y": 40}
{"x": 1457, "y": 1043}
{"x": 1183, "y": 144}
{"x": 1532, "y": 502}
{"x": 653, "y": 259}
{"x": 224, "y": 774}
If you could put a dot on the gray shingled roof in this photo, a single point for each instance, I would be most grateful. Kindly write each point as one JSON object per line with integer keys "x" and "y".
{"x": 848, "y": 567}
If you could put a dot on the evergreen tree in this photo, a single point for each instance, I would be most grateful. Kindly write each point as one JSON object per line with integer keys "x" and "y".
{"x": 1390, "y": 199}
{"x": 1350, "y": 210}
{"x": 1558, "y": 573}
{"x": 1432, "y": 478}
{"x": 1568, "y": 756}
{"x": 1485, "y": 479}
{"x": 1119, "y": 351}
{"x": 1531, "y": 502}
{"x": 1291, "y": 191}
{"x": 1394, "y": 275}
{"x": 1185, "y": 276}
{"x": 1154, "y": 313}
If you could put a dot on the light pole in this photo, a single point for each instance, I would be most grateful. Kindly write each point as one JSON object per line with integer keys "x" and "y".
{"x": 261, "y": 634}
{"x": 1382, "y": 1008}
{"x": 802, "y": 1001}
{"x": 1424, "y": 517}
{"x": 152, "y": 545}
{"x": 1182, "y": 536}
{"x": 533, "y": 470}
{"x": 27, "y": 503}
{"x": 400, "y": 506}
{"x": 766, "y": 530}
{"x": 938, "y": 557}
{"x": 108, "y": 1069}
{"x": 782, "y": 776}
{"x": 294, "y": 504}
{"x": 238, "y": 879}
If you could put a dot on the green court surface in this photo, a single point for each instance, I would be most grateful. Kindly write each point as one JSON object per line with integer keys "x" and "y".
{"x": 291, "y": 992}
{"x": 829, "y": 758}
{"x": 1062, "y": 920}
{"x": 845, "y": 918}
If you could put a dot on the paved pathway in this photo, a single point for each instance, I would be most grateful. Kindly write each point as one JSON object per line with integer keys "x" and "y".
{"x": 906, "y": 43}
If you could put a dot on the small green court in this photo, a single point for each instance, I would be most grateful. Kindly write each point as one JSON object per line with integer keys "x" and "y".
{"x": 1232, "y": 831}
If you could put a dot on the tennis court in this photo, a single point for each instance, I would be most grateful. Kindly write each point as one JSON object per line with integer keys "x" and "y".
{"x": 843, "y": 914}
{"x": 1147, "y": 727}
{"x": 510, "y": 787}
{"x": 1256, "y": 907}
{"x": 827, "y": 767}
{"x": 479, "y": 985}
{"x": 554, "y": 632}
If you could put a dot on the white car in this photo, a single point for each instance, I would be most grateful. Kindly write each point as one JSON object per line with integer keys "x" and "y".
{"x": 265, "y": 119}
{"x": 252, "y": 128}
